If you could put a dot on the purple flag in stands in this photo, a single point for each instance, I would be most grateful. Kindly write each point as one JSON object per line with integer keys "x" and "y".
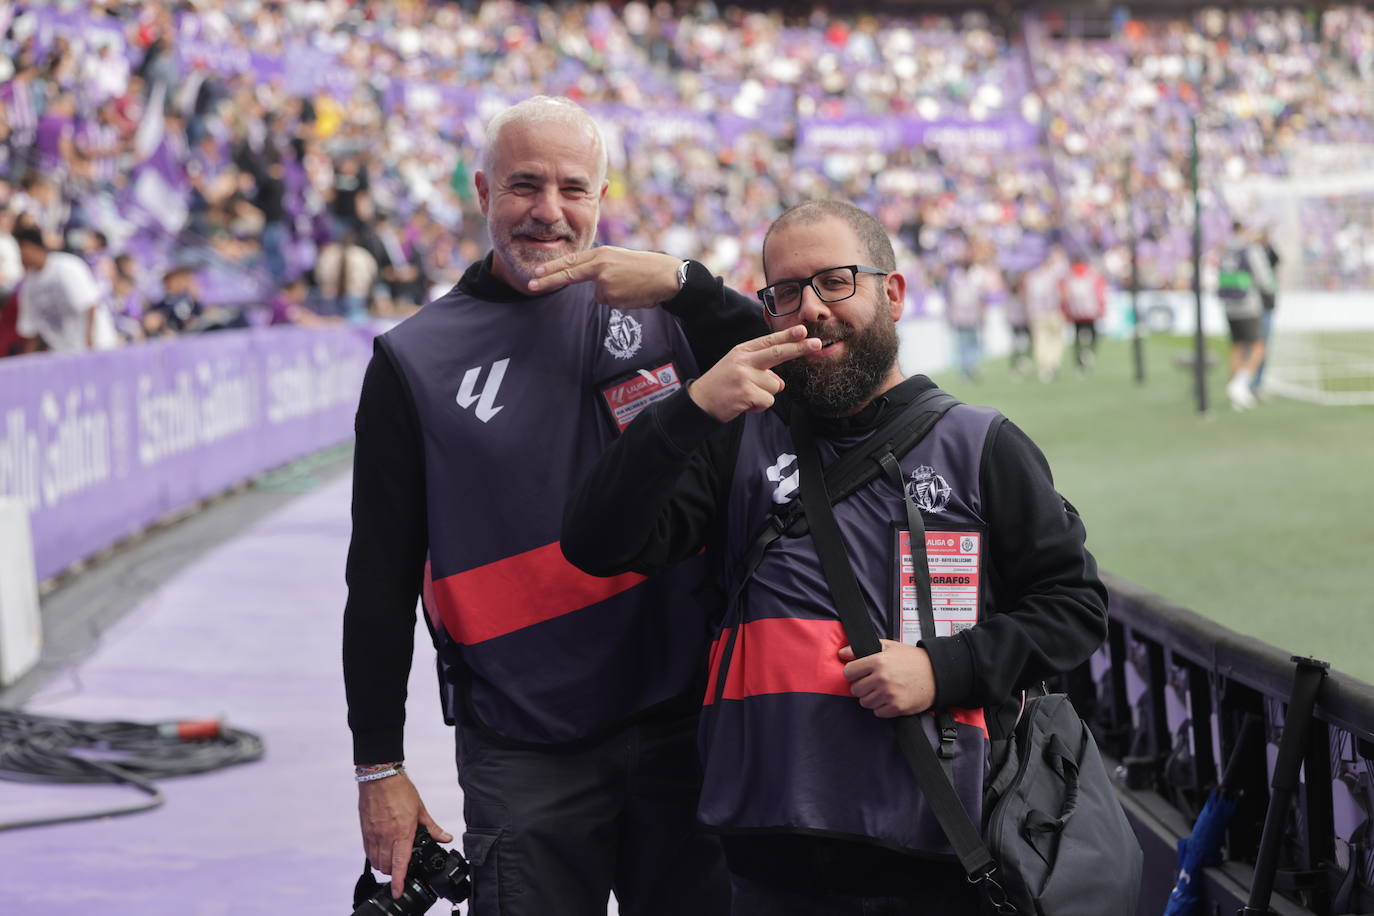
{"x": 156, "y": 196}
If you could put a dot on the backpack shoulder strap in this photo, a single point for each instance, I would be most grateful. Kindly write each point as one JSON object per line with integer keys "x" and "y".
{"x": 897, "y": 435}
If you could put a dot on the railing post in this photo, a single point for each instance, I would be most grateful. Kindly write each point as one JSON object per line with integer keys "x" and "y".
{"x": 1307, "y": 680}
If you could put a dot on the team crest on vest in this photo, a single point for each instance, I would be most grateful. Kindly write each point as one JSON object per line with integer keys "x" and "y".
{"x": 623, "y": 335}
{"x": 786, "y": 483}
{"x": 928, "y": 490}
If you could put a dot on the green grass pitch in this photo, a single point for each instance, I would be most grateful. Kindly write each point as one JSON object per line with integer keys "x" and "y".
{"x": 1262, "y": 521}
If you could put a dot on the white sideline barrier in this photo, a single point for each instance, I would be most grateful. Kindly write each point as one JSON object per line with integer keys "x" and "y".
{"x": 21, "y": 632}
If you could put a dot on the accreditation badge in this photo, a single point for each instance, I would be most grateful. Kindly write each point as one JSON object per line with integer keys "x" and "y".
{"x": 955, "y": 567}
{"x": 626, "y": 397}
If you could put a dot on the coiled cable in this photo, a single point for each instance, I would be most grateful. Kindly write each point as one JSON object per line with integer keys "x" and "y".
{"x": 47, "y": 749}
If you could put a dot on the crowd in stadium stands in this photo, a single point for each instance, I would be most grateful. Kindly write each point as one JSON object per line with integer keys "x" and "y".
{"x": 224, "y": 164}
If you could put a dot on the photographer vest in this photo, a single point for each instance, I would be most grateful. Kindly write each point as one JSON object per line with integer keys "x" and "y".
{"x": 1236, "y": 283}
{"x": 515, "y": 400}
{"x": 788, "y": 748}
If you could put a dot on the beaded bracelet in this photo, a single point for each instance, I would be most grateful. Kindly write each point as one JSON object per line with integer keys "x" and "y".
{"x": 374, "y": 771}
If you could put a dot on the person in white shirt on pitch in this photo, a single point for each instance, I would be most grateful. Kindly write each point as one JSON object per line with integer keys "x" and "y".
{"x": 1041, "y": 289}
{"x": 59, "y": 299}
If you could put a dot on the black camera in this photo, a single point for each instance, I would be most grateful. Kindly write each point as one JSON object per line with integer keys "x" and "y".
{"x": 433, "y": 872}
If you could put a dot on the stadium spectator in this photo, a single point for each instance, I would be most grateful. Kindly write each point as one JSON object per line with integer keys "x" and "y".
{"x": 179, "y": 310}
{"x": 11, "y": 273}
{"x": 348, "y": 194}
{"x": 39, "y": 202}
{"x": 802, "y": 834}
{"x": 722, "y": 108}
{"x": 576, "y": 731}
{"x": 59, "y": 300}
{"x": 99, "y": 147}
{"x": 270, "y": 199}
{"x": 23, "y": 96}
{"x": 12, "y": 343}
{"x": 289, "y": 305}
{"x": 344, "y": 275}
{"x": 127, "y": 302}
{"x": 1084, "y": 296}
{"x": 54, "y": 138}
{"x": 399, "y": 270}
{"x": 11, "y": 267}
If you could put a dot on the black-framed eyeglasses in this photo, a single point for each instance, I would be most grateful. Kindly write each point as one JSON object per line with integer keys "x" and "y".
{"x": 833, "y": 284}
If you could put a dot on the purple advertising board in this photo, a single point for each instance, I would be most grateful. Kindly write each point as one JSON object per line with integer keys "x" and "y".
{"x": 99, "y": 445}
{"x": 49, "y": 23}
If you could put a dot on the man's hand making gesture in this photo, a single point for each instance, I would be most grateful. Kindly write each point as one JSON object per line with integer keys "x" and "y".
{"x": 744, "y": 381}
{"x": 625, "y": 279}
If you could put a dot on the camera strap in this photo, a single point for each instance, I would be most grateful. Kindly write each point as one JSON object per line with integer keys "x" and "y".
{"x": 925, "y": 763}
{"x": 366, "y": 886}
{"x": 846, "y": 474}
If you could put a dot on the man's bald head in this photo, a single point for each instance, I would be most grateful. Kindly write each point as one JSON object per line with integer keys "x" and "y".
{"x": 868, "y": 230}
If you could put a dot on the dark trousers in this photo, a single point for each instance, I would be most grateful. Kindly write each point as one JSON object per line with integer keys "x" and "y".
{"x": 1084, "y": 343}
{"x": 1020, "y": 349}
{"x": 552, "y": 833}
{"x": 953, "y": 898}
{"x": 795, "y": 875}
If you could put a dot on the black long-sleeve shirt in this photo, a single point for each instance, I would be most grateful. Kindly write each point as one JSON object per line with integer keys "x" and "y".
{"x": 386, "y": 555}
{"x": 658, "y": 494}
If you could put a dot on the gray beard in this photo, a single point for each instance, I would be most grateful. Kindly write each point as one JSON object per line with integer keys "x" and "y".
{"x": 839, "y": 389}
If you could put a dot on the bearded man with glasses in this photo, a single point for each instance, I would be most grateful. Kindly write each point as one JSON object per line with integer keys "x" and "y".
{"x": 817, "y": 811}
{"x": 836, "y": 379}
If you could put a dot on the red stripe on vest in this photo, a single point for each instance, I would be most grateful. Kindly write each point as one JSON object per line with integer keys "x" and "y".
{"x": 518, "y": 592}
{"x": 792, "y": 655}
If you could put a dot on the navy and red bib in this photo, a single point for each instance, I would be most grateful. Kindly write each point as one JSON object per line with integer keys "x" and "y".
{"x": 515, "y": 401}
{"x": 788, "y": 748}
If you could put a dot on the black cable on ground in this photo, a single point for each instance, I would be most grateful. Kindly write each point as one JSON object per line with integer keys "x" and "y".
{"x": 46, "y": 749}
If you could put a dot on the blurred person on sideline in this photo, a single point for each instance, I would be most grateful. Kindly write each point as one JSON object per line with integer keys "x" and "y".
{"x": 818, "y": 811}
{"x": 1242, "y": 271}
{"x": 60, "y": 303}
{"x": 575, "y": 699}
{"x": 1269, "y": 300}
{"x": 967, "y": 289}
{"x": 1041, "y": 290}
{"x": 1084, "y": 296}
{"x": 1019, "y": 323}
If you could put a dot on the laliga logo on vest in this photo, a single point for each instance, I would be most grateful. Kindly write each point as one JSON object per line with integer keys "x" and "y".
{"x": 623, "y": 335}
{"x": 486, "y": 401}
{"x": 786, "y": 486}
{"x": 928, "y": 490}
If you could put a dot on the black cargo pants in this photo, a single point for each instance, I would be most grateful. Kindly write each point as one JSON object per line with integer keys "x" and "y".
{"x": 553, "y": 832}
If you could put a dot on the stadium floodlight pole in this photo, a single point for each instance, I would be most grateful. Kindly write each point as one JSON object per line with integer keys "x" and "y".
{"x": 1199, "y": 342}
{"x": 1137, "y": 338}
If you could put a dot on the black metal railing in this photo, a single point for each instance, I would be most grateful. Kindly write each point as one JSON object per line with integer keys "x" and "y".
{"x": 1169, "y": 697}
